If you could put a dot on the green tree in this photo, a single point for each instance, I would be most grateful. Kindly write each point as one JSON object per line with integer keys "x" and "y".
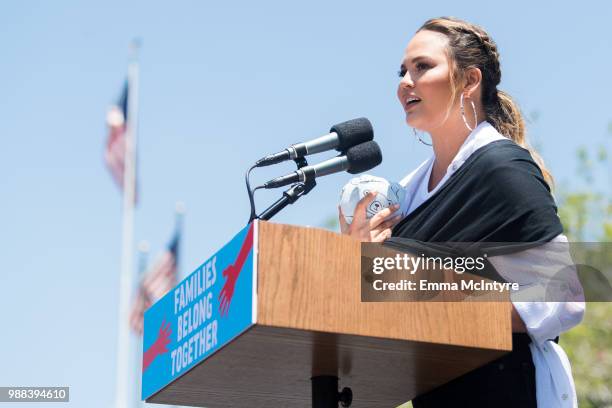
{"x": 586, "y": 213}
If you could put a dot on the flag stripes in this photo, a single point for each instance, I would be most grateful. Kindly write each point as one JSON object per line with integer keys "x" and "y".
{"x": 158, "y": 281}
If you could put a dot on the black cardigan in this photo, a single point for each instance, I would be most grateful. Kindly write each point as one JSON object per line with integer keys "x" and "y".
{"x": 498, "y": 195}
{"x": 496, "y": 203}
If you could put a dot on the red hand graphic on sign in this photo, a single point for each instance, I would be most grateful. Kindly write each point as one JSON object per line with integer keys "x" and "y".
{"x": 225, "y": 297}
{"x": 231, "y": 273}
{"x": 159, "y": 346}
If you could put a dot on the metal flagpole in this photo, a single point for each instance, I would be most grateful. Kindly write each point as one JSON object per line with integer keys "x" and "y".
{"x": 143, "y": 251}
{"x": 179, "y": 215}
{"x": 123, "y": 384}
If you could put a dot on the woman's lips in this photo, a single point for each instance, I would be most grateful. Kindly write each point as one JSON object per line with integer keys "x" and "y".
{"x": 409, "y": 106}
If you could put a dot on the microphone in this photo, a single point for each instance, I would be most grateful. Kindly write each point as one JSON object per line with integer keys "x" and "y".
{"x": 357, "y": 159}
{"x": 341, "y": 137}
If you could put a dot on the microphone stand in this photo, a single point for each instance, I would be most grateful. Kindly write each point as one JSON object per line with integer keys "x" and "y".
{"x": 290, "y": 195}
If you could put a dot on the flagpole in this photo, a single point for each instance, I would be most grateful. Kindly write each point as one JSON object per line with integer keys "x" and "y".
{"x": 123, "y": 385}
{"x": 179, "y": 215}
{"x": 143, "y": 259}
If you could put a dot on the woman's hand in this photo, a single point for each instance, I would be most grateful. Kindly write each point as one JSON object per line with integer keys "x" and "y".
{"x": 376, "y": 229}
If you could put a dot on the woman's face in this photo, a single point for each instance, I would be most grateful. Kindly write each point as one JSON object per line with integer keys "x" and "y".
{"x": 425, "y": 88}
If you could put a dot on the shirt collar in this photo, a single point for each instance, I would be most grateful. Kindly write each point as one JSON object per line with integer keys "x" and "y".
{"x": 481, "y": 136}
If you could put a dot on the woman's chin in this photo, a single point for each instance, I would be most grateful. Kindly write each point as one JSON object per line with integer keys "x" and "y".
{"x": 412, "y": 121}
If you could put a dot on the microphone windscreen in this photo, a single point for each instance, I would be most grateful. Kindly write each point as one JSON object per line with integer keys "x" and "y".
{"x": 352, "y": 132}
{"x": 363, "y": 157}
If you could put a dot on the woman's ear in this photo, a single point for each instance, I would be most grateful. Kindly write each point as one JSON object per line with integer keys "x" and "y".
{"x": 472, "y": 79}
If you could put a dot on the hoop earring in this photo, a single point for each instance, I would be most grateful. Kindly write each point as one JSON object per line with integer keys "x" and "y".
{"x": 463, "y": 114}
{"x": 419, "y": 138}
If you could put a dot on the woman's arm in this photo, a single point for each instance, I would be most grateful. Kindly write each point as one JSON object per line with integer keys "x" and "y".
{"x": 536, "y": 309}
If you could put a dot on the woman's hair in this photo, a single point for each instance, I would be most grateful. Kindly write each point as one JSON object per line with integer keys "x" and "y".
{"x": 469, "y": 46}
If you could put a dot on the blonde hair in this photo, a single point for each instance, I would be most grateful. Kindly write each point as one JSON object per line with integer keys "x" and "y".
{"x": 469, "y": 46}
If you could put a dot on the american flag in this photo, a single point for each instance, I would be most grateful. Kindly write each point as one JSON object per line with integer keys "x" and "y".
{"x": 116, "y": 119}
{"x": 155, "y": 283}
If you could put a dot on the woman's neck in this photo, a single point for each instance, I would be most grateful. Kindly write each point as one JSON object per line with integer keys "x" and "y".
{"x": 446, "y": 140}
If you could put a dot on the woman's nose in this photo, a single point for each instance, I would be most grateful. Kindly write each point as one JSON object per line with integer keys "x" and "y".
{"x": 406, "y": 80}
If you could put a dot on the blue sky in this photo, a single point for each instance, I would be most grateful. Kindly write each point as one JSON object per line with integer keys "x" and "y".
{"x": 222, "y": 84}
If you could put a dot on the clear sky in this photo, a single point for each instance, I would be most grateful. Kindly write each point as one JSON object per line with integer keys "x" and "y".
{"x": 222, "y": 84}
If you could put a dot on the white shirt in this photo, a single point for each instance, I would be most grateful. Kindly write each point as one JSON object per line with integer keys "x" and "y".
{"x": 530, "y": 268}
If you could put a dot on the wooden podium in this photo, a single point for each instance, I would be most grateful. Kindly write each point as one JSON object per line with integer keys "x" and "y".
{"x": 310, "y": 321}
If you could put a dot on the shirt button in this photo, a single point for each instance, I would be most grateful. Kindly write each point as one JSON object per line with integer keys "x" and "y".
{"x": 564, "y": 397}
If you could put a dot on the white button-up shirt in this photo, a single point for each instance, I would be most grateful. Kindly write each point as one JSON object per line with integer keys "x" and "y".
{"x": 544, "y": 320}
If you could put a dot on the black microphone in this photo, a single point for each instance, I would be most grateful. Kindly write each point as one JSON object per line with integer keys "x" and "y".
{"x": 357, "y": 159}
{"x": 341, "y": 137}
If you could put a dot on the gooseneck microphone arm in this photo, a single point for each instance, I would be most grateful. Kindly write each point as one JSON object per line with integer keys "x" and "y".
{"x": 290, "y": 195}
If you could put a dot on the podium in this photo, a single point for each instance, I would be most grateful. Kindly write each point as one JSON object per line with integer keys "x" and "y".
{"x": 304, "y": 318}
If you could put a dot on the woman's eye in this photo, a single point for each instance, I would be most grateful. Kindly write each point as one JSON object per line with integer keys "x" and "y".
{"x": 420, "y": 66}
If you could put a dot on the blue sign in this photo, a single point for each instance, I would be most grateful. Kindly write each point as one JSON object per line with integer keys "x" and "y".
{"x": 204, "y": 312}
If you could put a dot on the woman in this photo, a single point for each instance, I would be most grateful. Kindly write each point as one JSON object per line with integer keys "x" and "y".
{"x": 483, "y": 184}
